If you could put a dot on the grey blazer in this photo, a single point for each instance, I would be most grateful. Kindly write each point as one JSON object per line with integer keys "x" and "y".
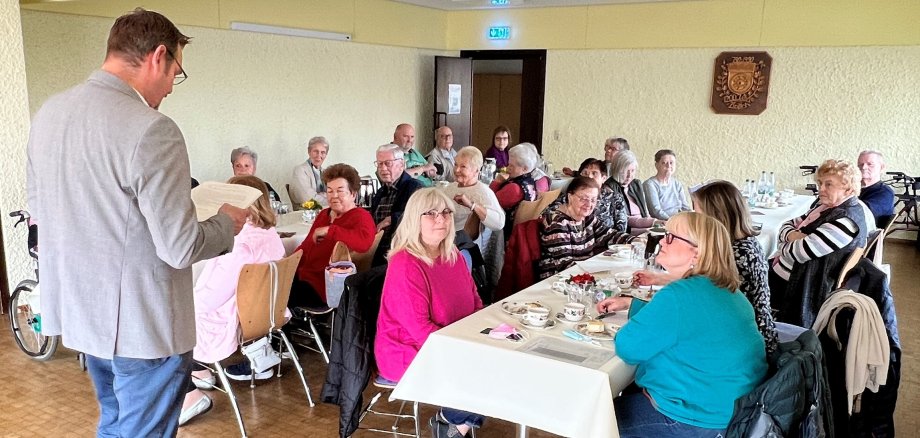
{"x": 108, "y": 184}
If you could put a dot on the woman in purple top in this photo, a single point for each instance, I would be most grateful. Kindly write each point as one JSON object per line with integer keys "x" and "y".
{"x": 427, "y": 287}
{"x": 501, "y": 138}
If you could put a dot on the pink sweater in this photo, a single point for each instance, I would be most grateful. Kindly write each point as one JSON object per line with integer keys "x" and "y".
{"x": 418, "y": 300}
{"x": 217, "y": 325}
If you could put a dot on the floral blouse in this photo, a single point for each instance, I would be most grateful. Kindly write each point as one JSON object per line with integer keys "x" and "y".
{"x": 753, "y": 268}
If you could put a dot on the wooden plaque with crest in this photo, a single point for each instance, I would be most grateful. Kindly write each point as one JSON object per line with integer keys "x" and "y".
{"x": 740, "y": 82}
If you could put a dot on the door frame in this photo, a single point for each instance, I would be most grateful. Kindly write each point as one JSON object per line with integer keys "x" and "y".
{"x": 533, "y": 77}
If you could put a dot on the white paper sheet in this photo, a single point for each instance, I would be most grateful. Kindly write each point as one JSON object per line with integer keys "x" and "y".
{"x": 210, "y": 195}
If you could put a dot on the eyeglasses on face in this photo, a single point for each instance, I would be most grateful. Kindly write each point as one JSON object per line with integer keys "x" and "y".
{"x": 434, "y": 214}
{"x": 182, "y": 76}
{"x": 386, "y": 163}
{"x": 584, "y": 199}
{"x": 340, "y": 193}
{"x": 669, "y": 239}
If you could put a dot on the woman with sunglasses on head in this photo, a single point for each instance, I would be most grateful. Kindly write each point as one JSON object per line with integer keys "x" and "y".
{"x": 427, "y": 287}
{"x": 571, "y": 232}
{"x": 695, "y": 345}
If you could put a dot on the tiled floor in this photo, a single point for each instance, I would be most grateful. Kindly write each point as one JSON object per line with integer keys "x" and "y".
{"x": 55, "y": 399}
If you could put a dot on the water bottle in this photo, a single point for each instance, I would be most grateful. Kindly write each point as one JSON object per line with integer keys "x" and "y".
{"x": 771, "y": 185}
{"x": 762, "y": 183}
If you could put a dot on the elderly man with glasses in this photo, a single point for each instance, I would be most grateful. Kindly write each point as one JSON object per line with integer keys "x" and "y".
{"x": 390, "y": 201}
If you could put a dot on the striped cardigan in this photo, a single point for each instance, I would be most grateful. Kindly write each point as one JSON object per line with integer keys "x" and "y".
{"x": 564, "y": 241}
{"x": 829, "y": 236}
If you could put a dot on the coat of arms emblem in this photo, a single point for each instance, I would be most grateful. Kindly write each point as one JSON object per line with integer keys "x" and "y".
{"x": 740, "y": 82}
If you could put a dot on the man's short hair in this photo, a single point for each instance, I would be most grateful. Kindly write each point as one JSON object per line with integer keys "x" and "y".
{"x": 140, "y": 32}
{"x": 873, "y": 152}
{"x": 394, "y": 148}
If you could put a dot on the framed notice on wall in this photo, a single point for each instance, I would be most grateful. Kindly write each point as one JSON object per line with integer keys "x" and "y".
{"x": 740, "y": 82}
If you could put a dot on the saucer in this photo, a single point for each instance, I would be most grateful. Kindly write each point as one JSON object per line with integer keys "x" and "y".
{"x": 550, "y": 323}
{"x": 561, "y": 317}
{"x": 520, "y": 308}
{"x": 609, "y": 332}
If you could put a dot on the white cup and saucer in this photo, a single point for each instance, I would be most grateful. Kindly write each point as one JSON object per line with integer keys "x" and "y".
{"x": 574, "y": 312}
{"x": 624, "y": 279}
{"x": 538, "y": 317}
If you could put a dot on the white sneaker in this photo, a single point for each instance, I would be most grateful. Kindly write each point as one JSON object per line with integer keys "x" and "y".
{"x": 201, "y": 406}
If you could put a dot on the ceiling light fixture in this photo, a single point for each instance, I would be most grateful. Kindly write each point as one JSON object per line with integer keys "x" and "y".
{"x": 289, "y": 31}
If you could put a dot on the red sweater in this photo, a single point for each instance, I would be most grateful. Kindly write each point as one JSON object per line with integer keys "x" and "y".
{"x": 355, "y": 229}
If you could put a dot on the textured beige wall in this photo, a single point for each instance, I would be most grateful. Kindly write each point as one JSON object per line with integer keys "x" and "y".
{"x": 14, "y": 127}
{"x": 823, "y": 103}
{"x": 271, "y": 93}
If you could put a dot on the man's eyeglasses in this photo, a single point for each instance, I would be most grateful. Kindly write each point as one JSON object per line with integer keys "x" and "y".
{"x": 669, "y": 239}
{"x": 182, "y": 76}
{"x": 387, "y": 163}
{"x": 444, "y": 214}
{"x": 584, "y": 199}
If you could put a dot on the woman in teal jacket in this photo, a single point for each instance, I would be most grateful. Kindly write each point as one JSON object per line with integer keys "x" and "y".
{"x": 695, "y": 345}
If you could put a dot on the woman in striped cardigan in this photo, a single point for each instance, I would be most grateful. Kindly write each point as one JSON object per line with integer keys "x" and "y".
{"x": 829, "y": 233}
{"x": 570, "y": 232}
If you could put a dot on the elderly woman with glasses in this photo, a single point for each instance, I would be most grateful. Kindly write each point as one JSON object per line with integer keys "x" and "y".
{"x": 813, "y": 247}
{"x": 307, "y": 177}
{"x": 343, "y": 221}
{"x": 695, "y": 345}
{"x": 611, "y": 207}
{"x": 572, "y": 232}
{"x": 623, "y": 181}
{"x": 427, "y": 287}
{"x": 518, "y": 186}
{"x": 244, "y": 161}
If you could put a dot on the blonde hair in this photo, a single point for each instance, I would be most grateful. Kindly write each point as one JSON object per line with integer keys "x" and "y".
{"x": 715, "y": 258}
{"x": 260, "y": 212}
{"x": 408, "y": 236}
{"x": 845, "y": 170}
{"x": 471, "y": 153}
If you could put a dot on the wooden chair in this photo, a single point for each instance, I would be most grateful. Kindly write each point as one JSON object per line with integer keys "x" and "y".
{"x": 362, "y": 260}
{"x": 851, "y": 262}
{"x": 876, "y": 241}
{"x": 530, "y": 210}
{"x": 262, "y": 296}
{"x": 294, "y": 205}
{"x": 473, "y": 226}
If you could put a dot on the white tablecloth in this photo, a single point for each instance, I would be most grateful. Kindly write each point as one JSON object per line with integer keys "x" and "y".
{"x": 461, "y": 368}
{"x": 559, "y": 183}
{"x": 293, "y": 223}
{"x": 773, "y": 218}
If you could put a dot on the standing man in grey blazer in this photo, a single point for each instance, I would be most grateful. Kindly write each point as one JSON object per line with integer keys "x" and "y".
{"x": 108, "y": 182}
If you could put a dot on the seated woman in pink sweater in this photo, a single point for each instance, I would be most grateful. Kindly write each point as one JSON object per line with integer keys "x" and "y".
{"x": 427, "y": 286}
{"x": 216, "y": 322}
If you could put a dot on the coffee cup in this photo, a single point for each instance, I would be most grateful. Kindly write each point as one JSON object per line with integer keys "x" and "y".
{"x": 537, "y": 316}
{"x": 559, "y": 285}
{"x": 624, "y": 279}
{"x": 574, "y": 311}
{"x": 623, "y": 251}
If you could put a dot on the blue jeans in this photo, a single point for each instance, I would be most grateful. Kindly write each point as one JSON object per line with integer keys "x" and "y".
{"x": 139, "y": 397}
{"x": 636, "y": 417}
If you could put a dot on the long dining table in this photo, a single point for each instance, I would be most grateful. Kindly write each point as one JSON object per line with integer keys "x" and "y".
{"x": 547, "y": 381}
{"x": 771, "y": 219}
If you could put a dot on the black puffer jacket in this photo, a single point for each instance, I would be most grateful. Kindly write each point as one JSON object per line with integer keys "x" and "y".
{"x": 875, "y": 417}
{"x": 795, "y": 395}
{"x": 352, "y": 358}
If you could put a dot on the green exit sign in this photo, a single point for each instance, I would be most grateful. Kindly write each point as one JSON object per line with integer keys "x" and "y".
{"x": 500, "y": 33}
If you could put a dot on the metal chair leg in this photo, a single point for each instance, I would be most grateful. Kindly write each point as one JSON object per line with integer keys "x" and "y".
{"x": 415, "y": 415}
{"x": 319, "y": 341}
{"x": 398, "y": 415}
{"x": 303, "y": 378}
{"x": 225, "y": 382}
{"x": 370, "y": 406}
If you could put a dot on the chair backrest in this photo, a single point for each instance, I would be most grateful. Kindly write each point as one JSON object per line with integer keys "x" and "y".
{"x": 851, "y": 262}
{"x": 472, "y": 226}
{"x": 362, "y": 260}
{"x": 876, "y": 241}
{"x": 296, "y": 206}
{"x": 254, "y": 295}
{"x": 530, "y": 210}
